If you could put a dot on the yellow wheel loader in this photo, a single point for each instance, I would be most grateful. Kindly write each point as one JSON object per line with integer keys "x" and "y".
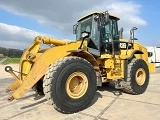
{"x": 69, "y": 72}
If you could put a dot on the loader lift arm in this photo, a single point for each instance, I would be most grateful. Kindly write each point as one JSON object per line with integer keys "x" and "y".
{"x": 32, "y": 59}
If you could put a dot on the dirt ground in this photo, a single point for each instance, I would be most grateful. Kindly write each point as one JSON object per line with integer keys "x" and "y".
{"x": 105, "y": 105}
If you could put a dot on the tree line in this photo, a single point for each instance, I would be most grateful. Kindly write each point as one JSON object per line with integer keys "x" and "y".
{"x": 12, "y": 53}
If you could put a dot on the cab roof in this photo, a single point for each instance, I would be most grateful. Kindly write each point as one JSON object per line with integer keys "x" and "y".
{"x": 95, "y": 13}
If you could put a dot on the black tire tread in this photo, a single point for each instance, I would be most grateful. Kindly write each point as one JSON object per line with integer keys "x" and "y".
{"x": 49, "y": 76}
{"x": 128, "y": 86}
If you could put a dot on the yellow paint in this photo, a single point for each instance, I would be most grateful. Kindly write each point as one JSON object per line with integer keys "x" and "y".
{"x": 16, "y": 83}
{"x": 35, "y": 71}
{"x": 140, "y": 76}
{"x": 54, "y": 41}
{"x": 114, "y": 68}
{"x": 152, "y": 67}
{"x": 76, "y": 85}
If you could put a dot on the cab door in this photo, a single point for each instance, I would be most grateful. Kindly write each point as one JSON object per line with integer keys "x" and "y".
{"x": 110, "y": 38}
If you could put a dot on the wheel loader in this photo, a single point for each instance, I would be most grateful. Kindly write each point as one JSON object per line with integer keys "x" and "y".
{"x": 68, "y": 72}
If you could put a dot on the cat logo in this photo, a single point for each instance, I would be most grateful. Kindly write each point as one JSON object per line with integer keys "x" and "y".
{"x": 123, "y": 45}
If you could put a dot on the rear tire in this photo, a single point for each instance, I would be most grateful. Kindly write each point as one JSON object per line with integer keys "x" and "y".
{"x": 138, "y": 77}
{"x": 70, "y": 84}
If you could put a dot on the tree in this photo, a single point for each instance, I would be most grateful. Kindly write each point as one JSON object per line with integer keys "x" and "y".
{"x": 16, "y": 53}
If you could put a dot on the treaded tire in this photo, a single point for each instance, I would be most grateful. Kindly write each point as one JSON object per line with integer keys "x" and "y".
{"x": 54, "y": 84}
{"x": 131, "y": 85}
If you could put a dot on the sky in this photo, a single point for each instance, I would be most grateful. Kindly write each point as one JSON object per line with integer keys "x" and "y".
{"x": 22, "y": 20}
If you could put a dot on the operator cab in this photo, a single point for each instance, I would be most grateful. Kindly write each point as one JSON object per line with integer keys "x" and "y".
{"x": 103, "y": 33}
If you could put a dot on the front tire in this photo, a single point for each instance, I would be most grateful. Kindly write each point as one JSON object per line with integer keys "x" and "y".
{"x": 70, "y": 84}
{"x": 137, "y": 77}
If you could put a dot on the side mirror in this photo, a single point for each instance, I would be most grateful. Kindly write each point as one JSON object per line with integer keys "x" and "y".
{"x": 85, "y": 34}
{"x": 75, "y": 28}
{"x": 106, "y": 17}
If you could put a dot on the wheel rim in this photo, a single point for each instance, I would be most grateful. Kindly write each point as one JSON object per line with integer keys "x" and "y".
{"x": 140, "y": 76}
{"x": 76, "y": 85}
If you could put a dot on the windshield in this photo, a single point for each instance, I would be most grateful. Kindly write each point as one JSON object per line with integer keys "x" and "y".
{"x": 89, "y": 25}
{"x": 98, "y": 34}
{"x": 84, "y": 25}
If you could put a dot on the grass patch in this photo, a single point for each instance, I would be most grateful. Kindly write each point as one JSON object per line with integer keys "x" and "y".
{"x": 11, "y": 60}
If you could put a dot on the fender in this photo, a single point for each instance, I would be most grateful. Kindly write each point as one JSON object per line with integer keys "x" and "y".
{"x": 90, "y": 58}
{"x": 134, "y": 52}
{"x": 86, "y": 55}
